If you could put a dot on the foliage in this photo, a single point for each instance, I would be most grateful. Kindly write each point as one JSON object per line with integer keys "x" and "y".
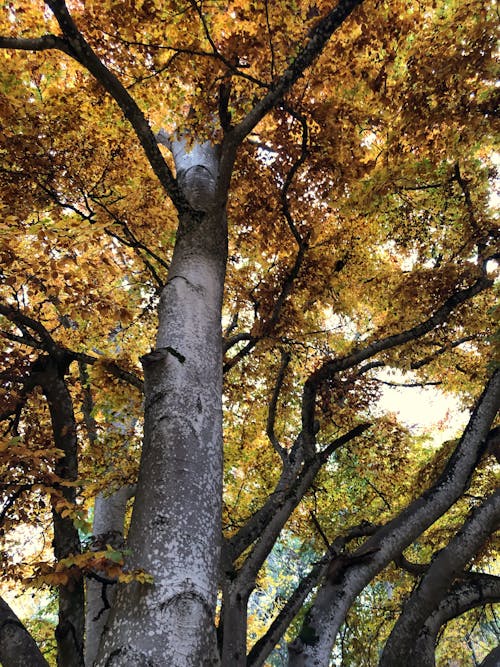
{"x": 359, "y": 206}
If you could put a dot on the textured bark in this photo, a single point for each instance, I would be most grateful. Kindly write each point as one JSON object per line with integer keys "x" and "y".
{"x": 109, "y": 516}
{"x": 445, "y": 567}
{"x": 176, "y": 523}
{"x": 197, "y": 170}
{"x": 70, "y": 627}
{"x": 314, "y": 644}
{"x": 17, "y": 647}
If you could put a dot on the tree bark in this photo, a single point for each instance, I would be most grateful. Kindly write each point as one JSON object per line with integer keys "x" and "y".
{"x": 17, "y": 647}
{"x": 176, "y": 522}
{"x": 234, "y": 623}
{"x": 492, "y": 659}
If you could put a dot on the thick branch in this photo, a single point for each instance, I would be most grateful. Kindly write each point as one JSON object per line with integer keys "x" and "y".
{"x": 336, "y": 595}
{"x": 46, "y": 342}
{"x": 42, "y": 43}
{"x": 445, "y": 567}
{"x": 318, "y": 38}
{"x": 476, "y": 590}
{"x": 23, "y": 321}
{"x": 234, "y": 340}
{"x": 417, "y": 569}
{"x": 17, "y": 647}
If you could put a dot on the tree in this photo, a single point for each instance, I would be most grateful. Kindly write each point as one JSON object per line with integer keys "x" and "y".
{"x": 314, "y": 207}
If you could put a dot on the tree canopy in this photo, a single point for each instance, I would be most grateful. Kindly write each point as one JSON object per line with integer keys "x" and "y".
{"x": 225, "y": 228}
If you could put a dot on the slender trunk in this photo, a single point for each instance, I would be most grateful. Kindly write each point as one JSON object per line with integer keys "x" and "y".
{"x": 234, "y": 651}
{"x": 109, "y": 516}
{"x": 176, "y": 523}
{"x": 70, "y": 627}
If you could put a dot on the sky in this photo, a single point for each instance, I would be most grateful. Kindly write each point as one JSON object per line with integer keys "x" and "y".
{"x": 423, "y": 409}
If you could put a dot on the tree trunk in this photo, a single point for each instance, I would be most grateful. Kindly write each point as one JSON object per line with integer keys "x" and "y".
{"x": 176, "y": 523}
{"x": 70, "y": 626}
{"x": 234, "y": 645}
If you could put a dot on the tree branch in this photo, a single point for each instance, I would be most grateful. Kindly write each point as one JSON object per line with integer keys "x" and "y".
{"x": 74, "y": 44}
{"x": 317, "y": 41}
{"x": 445, "y": 567}
{"x": 21, "y": 320}
{"x": 268, "y": 325}
{"x": 17, "y": 647}
{"x": 335, "y": 597}
{"x": 42, "y": 43}
{"x": 476, "y": 590}
{"x": 12, "y": 499}
{"x": 271, "y": 416}
{"x": 332, "y": 366}
{"x": 266, "y": 524}
{"x": 263, "y": 647}
{"x": 291, "y": 174}
{"x": 237, "y": 338}
{"x": 464, "y": 186}
{"x": 47, "y": 343}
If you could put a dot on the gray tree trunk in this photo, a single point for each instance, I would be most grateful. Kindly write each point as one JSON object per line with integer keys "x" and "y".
{"x": 176, "y": 524}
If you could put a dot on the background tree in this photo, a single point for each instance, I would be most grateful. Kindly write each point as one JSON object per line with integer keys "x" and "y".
{"x": 315, "y": 209}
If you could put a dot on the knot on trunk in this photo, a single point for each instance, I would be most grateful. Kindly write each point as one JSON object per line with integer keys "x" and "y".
{"x": 197, "y": 167}
{"x": 198, "y": 186}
